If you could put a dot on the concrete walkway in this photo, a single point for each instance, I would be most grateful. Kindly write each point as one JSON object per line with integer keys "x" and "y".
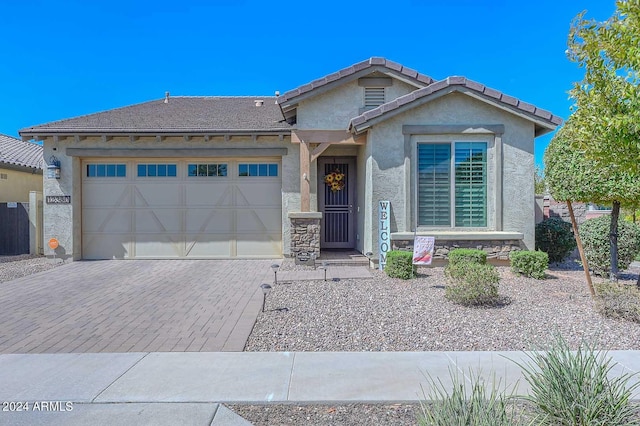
{"x": 187, "y": 388}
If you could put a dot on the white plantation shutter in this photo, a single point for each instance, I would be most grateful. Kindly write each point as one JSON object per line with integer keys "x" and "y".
{"x": 434, "y": 185}
{"x": 471, "y": 184}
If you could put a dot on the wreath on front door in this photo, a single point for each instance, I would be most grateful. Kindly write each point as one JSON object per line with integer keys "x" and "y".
{"x": 335, "y": 180}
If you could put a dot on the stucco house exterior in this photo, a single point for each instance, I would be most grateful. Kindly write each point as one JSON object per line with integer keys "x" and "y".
{"x": 20, "y": 169}
{"x": 217, "y": 177}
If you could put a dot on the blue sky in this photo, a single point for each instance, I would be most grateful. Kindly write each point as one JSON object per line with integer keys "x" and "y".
{"x": 64, "y": 58}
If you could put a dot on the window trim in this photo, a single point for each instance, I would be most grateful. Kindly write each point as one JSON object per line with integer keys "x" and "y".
{"x": 451, "y": 139}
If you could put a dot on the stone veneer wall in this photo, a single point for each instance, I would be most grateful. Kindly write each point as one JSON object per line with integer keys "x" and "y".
{"x": 495, "y": 249}
{"x": 305, "y": 235}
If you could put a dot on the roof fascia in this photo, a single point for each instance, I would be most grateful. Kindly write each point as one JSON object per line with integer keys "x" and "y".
{"x": 291, "y": 103}
{"x": 41, "y": 134}
{"x": 19, "y": 168}
{"x": 542, "y": 127}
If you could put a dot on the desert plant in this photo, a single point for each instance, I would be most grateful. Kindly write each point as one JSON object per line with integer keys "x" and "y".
{"x": 400, "y": 264}
{"x": 577, "y": 387}
{"x": 470, "y": 402}
{"x": 472, "y": 284}
{"x": 595, "y": 238}
{"x": 463, "y": 255}
{"x": 618, "y": 301}
{"x": 530, "y": 263}
{"x": 555, "y": 237}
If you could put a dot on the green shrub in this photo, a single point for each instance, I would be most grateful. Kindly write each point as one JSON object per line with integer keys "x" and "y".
{"x": 471, "y": 402}
{"x": 595, "y": 238}
{"x": 554, "y": 237}
{"x": 575, "y": 388}
{"x": 618, "y": 301}
{"x": 530, "y": 263}
{"x": 472, "y": 284}
{"x": 463, "y": 255}
{"x": 400, "y": 264}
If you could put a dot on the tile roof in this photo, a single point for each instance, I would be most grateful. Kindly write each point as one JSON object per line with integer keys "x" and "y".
{"x": 462, "y": 84}
{"x": 19, "y": 153}
{"x": 180, "y": 114}
{"x": 375, "y": 62}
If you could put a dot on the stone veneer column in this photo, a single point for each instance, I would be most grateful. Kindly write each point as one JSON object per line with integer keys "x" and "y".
{"x": 305, "y": 232}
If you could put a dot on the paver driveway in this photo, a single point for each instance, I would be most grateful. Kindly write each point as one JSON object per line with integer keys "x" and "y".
{"x": 133, "y": 306}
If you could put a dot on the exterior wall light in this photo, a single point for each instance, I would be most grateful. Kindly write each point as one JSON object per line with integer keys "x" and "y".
{"x": 53, "y": 169}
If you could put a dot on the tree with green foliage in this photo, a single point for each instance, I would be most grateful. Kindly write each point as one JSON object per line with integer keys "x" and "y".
{"x": 604, "y": 125}
{"x": 571, "y": 175}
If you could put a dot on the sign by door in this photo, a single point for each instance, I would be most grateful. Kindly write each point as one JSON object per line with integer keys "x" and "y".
{"x": 384, "y": 236}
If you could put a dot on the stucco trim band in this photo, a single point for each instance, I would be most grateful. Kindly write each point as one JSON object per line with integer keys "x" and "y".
{"x": 179, "y": 153}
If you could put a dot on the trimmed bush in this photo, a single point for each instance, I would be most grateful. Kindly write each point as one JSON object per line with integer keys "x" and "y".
{"x": 463, "y": 255}
{"x": 530, "y": 263}
{"x": 472, "y": 284}
{"x": 577, "y": 387}
{"x": 618, "y": 301}
{"x": 554, "y": 237}
{"x": 400, "y": 264}
{"x": 595, "y": 238}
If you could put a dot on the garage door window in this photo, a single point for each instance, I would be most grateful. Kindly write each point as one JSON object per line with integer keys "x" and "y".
{"x": 259, "y": 169}
{"x": 157, "y": 170}
{"x": 208, "y": 170}
{"x": 106, "y": 170}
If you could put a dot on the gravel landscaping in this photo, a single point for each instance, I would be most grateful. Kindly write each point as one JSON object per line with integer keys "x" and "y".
{"x": 386, "y": 314}
{"x": 12, "y": 267}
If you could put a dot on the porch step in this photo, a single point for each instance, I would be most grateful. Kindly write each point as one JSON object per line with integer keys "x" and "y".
{"x": 358, "y": 260}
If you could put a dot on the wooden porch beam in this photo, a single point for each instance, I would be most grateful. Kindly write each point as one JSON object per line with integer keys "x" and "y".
{"x": 305, "y": 187}
{"x": 327, "y": 136}
{"x": 317, "y": 152}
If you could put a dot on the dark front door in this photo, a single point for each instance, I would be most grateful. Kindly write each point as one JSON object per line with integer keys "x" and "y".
{"x": 336, "y": 199}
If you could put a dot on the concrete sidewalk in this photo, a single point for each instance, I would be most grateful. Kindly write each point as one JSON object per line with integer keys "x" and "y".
{"x": 187, "y": 388}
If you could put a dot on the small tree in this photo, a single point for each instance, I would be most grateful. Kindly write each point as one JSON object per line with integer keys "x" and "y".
{"x": 572, "y": 175}
{"x": 604, "y": 123}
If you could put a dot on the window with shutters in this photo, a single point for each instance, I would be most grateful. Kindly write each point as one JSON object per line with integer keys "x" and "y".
{"x": 452, "y": 184}
{"x": 373, "y": 97}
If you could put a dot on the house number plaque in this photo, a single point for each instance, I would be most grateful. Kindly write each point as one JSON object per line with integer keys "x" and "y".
{"x": 58, "y": 199}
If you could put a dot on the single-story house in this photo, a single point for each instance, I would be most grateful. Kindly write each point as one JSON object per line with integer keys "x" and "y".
{"x": 270, "y": 176}
{"x": 20, "y": 169}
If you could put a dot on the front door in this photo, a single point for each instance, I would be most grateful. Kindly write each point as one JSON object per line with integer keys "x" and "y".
{"x": 336, "y": 198}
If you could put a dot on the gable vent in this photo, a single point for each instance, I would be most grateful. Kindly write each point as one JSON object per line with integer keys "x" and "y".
{"x": 3, "y": 176}
{"x": 373, "y": 97}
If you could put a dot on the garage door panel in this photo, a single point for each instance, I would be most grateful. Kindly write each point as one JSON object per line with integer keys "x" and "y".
{"x": 158, "y": 246}
{"x": 106, "y": 195}
{"x": 107, "y": 220}
{"x": 158, "y": 220}
{"x": 259, "y": 220}
{"x": 259, "y": 194}
{"x": 157, "y": 195}
{"x": 209, "y": 245}
{"x": 209, "y": 220}
{"x": 254, "y": 245}
{"x": 101, "y": 246}
{"x": 214, "y": 194}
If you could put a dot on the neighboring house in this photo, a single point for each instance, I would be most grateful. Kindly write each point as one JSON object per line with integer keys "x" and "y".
{"x": 209, "y": 177}
{"x": 20, "y": 169}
